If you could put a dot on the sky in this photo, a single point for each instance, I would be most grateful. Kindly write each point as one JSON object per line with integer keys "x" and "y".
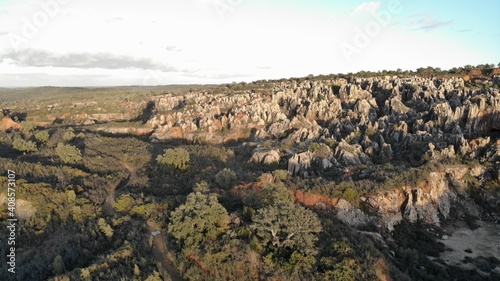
{"x": 160, "y": 42}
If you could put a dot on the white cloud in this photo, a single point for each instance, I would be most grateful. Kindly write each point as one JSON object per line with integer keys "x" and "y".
{"x": 427, "y": 22}
{"x": 368, "y": 7}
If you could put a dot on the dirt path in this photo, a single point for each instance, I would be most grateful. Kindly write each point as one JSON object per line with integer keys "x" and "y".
{"x": 110, "y": 199}
{"x": 160, "y": 254}
{"x": 159, "y": 243}
{"x": 130, "y": 169}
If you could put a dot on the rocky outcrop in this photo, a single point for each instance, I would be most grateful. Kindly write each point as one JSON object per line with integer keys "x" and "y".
{"x": 300, "y": 162}
{"x": 428, "y": 202}
{"x": 265, "y": 156}
{"x": 350, "y": 215}
{"x": 125, "y": 130}
{"x": 351, "y": 155}
{"x": 373, "y": 119}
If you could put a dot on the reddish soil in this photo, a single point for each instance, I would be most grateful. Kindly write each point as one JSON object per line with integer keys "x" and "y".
{"x": 311, "y": 200}
{"x": 6, "y": 124}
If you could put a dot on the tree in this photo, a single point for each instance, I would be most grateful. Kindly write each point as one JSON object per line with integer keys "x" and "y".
{"x": 268, "y": 196}
{"x": 68, "y": 153}
{"x": 280, "y": 175}
{"x": 24, "y": 146}
{"x": 176, "y": 158}
{"x": 58, "y": 265}
{"x": 287, "y": 225}
{"x": 105, "y": 228}
{"x": 42, "y": 136}
{"x": 124, "y": 203}
{"x": 26, "y": 127}
{"x": 200, "y": 218}
{"x": 68, "y": 136}
{"x": 225, "y": 178}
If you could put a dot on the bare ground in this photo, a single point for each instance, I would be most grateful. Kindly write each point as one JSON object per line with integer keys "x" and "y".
{"x": 483, "y": 241}
{"x": 160, "y": 253}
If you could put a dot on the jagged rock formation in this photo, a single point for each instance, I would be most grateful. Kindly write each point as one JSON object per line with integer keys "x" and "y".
{"x": 299, "y": 162}
{"x": 265, "y": 156}
{"x": 427, "y": 202}
{"x": 372, "y": 119}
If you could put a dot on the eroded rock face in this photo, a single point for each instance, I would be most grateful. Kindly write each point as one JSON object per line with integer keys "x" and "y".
{"x": 373, "y": 119}
{"x": 350, "y": 215}
{"x": 299, "y": 162}
{"x": 428, "y": 202}
{"x": 265, "y": 156}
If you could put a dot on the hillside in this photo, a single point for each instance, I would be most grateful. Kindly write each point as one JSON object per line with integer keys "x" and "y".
{"x": 319, "y": 178}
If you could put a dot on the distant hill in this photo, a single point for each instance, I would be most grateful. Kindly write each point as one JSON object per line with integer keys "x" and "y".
{"x": 14, "y": 94}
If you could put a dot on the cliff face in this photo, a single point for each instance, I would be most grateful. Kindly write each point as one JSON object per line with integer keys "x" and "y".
{"x": 429, "y": 201}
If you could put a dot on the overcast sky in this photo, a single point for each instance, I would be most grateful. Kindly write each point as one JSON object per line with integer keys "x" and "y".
{"x": 151, "y": 42}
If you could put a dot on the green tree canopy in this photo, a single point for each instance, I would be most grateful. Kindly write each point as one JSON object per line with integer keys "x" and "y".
{"x": 200, "y": 218}
{"x": 68, "y": 136}
{"x": 58, "y": 265}
{"x": 287, "y": 225}
{"x": 269, "y": 195}
{"x": 225, "y": 178}
{"x": 42, "y": 136}
{"x": 176, "y": 158}
{"x": 68, "y": 153}
{"x": 22, "y": 145}
{"x": 26, "y": 127}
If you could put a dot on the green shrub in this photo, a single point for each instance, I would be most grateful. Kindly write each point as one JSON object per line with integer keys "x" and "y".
{"x": 225, "y": 178}
{"x": 350, "y": 194}
{"x": 268, "y": 196}
{"x": 331, "y": 143}
{"x": 199, "y": 219}
{"x": 124, "y": 203}
{"x": 105, "y": 228}
{"x": 280, "y": 175}
{"x": 42, "y": 136}
{"x": 69, "y": 136}
{"x": 24, "y": 146}
{"x": 27, "y": 127}
{"x": 176, "y": 158}
{"x": 68, "y": 153}
{"x": 349, "y": 191}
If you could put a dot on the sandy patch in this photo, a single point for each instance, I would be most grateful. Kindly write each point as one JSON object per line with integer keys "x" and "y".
{"x": 483, "y": 241}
